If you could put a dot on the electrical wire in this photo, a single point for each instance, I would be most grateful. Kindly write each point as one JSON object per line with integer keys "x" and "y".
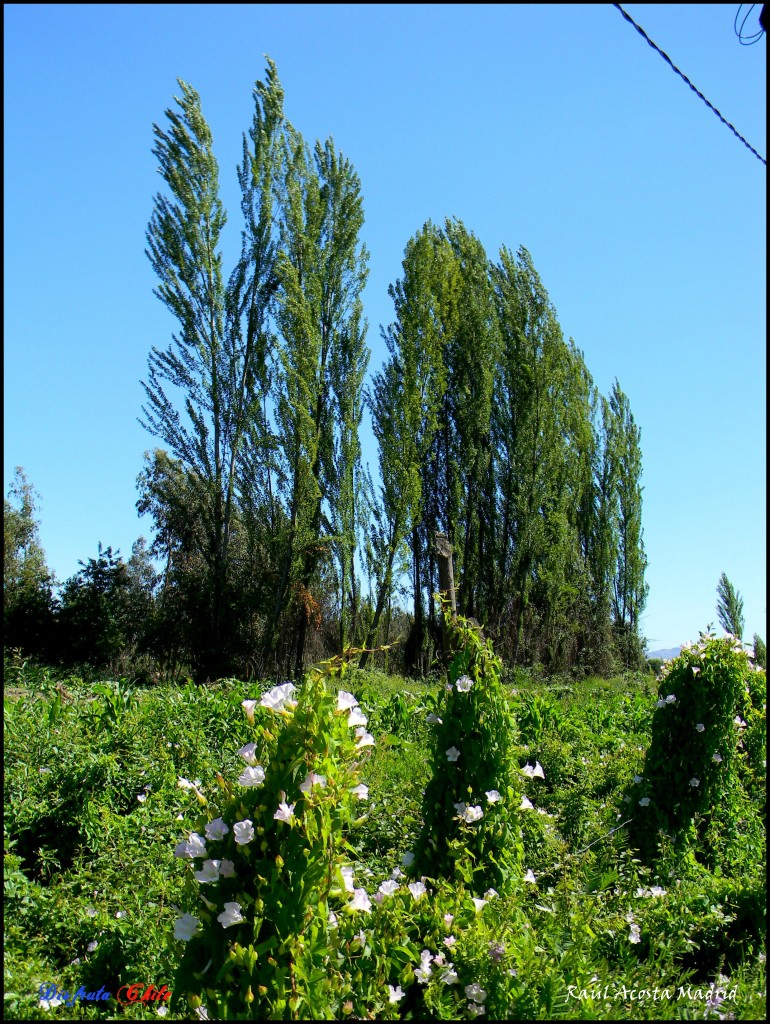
{"x": 746, "y": 40}
{"x": 684, "y": 77}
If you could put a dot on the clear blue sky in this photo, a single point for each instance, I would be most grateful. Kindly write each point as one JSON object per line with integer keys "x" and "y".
{"x": 555, "y": 127}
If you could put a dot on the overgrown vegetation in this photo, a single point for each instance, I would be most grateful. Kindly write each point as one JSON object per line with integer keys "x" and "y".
{"x": 106, "y": 782}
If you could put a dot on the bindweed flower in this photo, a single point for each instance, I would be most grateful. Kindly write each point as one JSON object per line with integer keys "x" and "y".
{"x": 694, "y": 782}
{"x": 452, "y": 753}
{"x": 656, "y": 890}
{"x": 346, "y": 701}
{"x": 141, "y": 797}
{"x": 533, "y": 773}
{"x": 739, "y": 722}
{"x": 216, "y": 829}
{"x": 700, "y": 727}
{"x": 526, "y": 804}
{"x": 347, "y": 877}
{"x": 634, "y": 934}
{"x": 475, "y": 992}
{"x": 389, "y": 887}
{"x": 464, "y": 683}
{"x": 417, "y": 889}
{"x": 279, "y": 698}
{"x": 671, "y": 699}
{"x": 231, "y": 915}
{"x": 312, "y": 780}
{"x": 530, "y": 877}
{"x": 492, "y": 796}
{"x": 361, "y": 791}
{"x": 252, "y": 776}
{"x": 285, "y": 812}
{"x": 644, "y": 801}
{"x": 695, "y": 669}
{"x": 716, "y": 757}
{"x": 434, "y": 719}
{"x": 394, "y": 993}
{"x": 660, "y": 703}
{"x": 194, "y": 786}
{"x": 360, "y": 901}
{"x": 449, "y": 976}
{"x": 450, "y": 941}
{"x": 476, "y": 1009}
{"x": 448, "y": 918}
{"x": 638, "y": 779}
{"x": 248, "y": 752}
{"x": 424, "y": 971}
{"x": 490, "y": 894}
{"x": 333, "y": 922}
{"x": 209, "y": 872}
{"x": 357, "y": 717}
{"x": 248, "y": 706}
{"x": 120, "y": 914}
{"x": 195, "y": 846}
{"x": 91, "y": 912}
{"x": 243, "y": 832}
{"x": 364, "y": 738}
{"x": 496, "y": 952}
{"x": 92, "y": 946}
{"x": 226, "y": 868}
{"x": 471, "y": 814}
{"x": 478, "y": 903}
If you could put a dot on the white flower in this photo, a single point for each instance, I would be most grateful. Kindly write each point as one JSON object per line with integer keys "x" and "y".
{"x": 360, "y": 900}
{"x": 92, "y": 946}
{"x": 716, "y": 757}
{"x": 333, "y": 922}
{"x": 142, "y": 797}
{"x": 90, "y": 912}
{"x": 526, "y": 804}
{"x": 492, "y": 796}
{"x": 478, "y": 904}
{"x": 452, "y": 754}
{"x": 424, "y": 971}
{"x": 209, "y": 872}
{"x": 394, "y": 994}
{"x": 346, "y": 701}
{"x": 231, "y": 915}
{"x": 347, "y": 877}
{"x": 739, "y": 722}
{"x": 195, "y": 846}
{"x": 365, "y": 739}
{"x": 476, "y": 1009}
{"x": 634, "y": 934}
{"x": 279, "y": 698}
{"x": 448, "y": 918}
{"x": 533, "y": 773}
{"x": 530, "y": 876}
{"x": 656, "y": 890}
{"x": 397, "y": 873}
{"x": 357, "y": 717}
{"x": 216, "y": 829}
{"x": 644, "y": 801}
{"x": 194, "y": 786}
{"x": 162, "y": 1011}
{"x": 434, "y": 719}
{"x": 695, "y": 782}
{"x": 361, "y": 791}
{"x": 671, "y": 699}
{"x": 48, "y": 1004}
{"x": 700, "y": 727}
{"x": 389, "y": 887}
{"x": 449, "y": 941}
{"x": 695, "y": 669}
{"x": 312, "y": 780}
{"x": 252, "y": 776}
{"x": 407, "y": 859}
{"x": 475, "y": 992}
{"x": 285, "y": 812}
{"x": 226, "y": 868}
{"x": 660, "y": 703}
{"x": 248, "y": 706}
{"x": 243, "y": 832}
{"x": 491, "y": 893}
{"x": 450, "y": 976}
{"x": 473, "y": 814}
{"x": 248, "y": 752}
{"x": 464, "y": 683}
{"x": 417, "y": 889}
{"x": 638, "y": 779}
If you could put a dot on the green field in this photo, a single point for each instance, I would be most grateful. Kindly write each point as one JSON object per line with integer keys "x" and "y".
{"x": 93, "y": 813}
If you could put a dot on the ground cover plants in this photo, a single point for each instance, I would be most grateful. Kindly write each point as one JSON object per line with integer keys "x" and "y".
{"x": 354, "y": 846}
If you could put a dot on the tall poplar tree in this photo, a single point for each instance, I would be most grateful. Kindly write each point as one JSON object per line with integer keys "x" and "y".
{"x": 215, "y": 362}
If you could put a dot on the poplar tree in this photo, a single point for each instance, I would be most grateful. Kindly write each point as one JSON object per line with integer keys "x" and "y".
{"x": 216, "y": 363}
{"x": 729, "y": 607}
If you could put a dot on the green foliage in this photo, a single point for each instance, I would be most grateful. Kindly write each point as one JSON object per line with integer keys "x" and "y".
{"x": 760, "y": 651}
{"x": 690, "y": 772}
{"x": 466, "y": 834}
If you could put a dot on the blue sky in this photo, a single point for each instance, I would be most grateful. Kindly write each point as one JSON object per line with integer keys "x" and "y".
{"x": 555, "y": 127}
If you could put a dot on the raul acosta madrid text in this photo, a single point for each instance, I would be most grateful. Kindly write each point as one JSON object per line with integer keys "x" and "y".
{"x": 638, "y": 995}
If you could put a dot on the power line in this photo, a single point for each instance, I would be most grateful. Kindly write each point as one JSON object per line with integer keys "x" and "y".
{"x": 684, "y": 77}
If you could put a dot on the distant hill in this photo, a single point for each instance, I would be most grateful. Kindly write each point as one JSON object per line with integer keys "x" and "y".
{"x": 671, "y": 652}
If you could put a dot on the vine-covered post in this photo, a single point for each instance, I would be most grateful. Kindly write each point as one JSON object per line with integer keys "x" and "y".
{"x": 446, "y": 584}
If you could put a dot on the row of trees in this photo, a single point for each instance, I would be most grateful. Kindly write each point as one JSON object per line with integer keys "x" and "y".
{"x": 276, "y": 545}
